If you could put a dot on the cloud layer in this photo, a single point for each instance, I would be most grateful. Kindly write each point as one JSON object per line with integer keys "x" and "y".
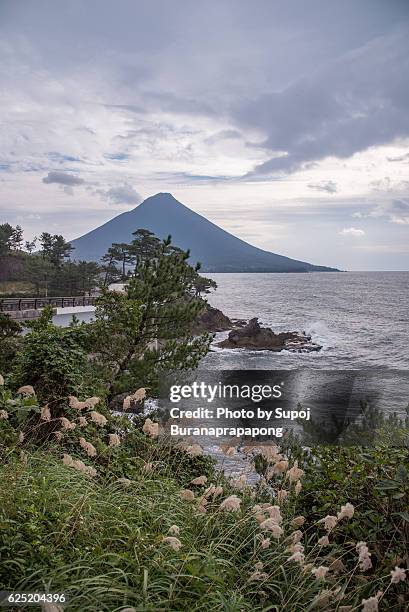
{"x": 285, "y": 124}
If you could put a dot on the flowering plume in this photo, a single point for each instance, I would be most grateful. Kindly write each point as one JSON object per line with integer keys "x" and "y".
{"x": 173, "y": 542}
{"x": 74, "y": 403}
{"x": 82, "y": 421}
{"x": 232, "y": 450}
{"x": 91, "y": 402}
{"x": 297, "y": 557}
{"x": 26, "y": 390}
{"x": 346, "y": 511}
{"x": 150, "y": 428}
{"x": 231, "y": 504}
{"x": 397, "y": 575}
{"x": 194, "y": 450}
{"x": 298, "y": 487}
{"x": 4, "y": 415}
{"x": 174, "y": 530}
{"x": 275, "y": 513}
{"x": 330, "y": 522}
{"x": 296, "y": 536}
{"x": 200, "y": 480}
{"x": 98, "y": 418}
{"x": 88, "y": 447}
{"x": 364, "y": 560}
{"x": 320, "y": 572}
{"x": 66, "y": 424}
{"x": 324, "y": 541}
{"x": 295, "y": 473}
{"x": 282, "y": 495}
{"x": 298, "y": 521}
{"x": 187, "y": 495}
{"x": 1, "y": 381}
{"x": 280, "y": 467}
{"x": 45, "y": 413}
{"x": 371, "y": 604}
{"x": 271, "y": 525}
{"x": 114, "y": 440}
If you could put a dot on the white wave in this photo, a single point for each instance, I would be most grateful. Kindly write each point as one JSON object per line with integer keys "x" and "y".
{"x": 321, "y": 334}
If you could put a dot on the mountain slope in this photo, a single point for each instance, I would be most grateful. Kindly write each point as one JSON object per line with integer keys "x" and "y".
{"x": 216, "y": 249}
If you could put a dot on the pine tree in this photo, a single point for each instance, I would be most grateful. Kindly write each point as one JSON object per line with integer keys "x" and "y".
{"x": 148, "y": 330}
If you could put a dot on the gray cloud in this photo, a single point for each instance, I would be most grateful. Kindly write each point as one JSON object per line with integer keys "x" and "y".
{"x": 62, "y": 178}
{"x": 352, "y": 104}
{"x": 395, "y": 211}
{"x": 123, "y": 194}
{"x": 329, "y": 186}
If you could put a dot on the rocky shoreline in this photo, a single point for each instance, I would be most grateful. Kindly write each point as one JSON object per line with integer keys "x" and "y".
{"x": 251, "y": 335}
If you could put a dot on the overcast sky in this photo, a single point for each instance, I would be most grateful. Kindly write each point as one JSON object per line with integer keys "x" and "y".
{"x": 286, "y": 123}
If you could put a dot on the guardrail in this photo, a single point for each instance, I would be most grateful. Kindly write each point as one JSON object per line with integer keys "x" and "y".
{"x": 16, "y": 304}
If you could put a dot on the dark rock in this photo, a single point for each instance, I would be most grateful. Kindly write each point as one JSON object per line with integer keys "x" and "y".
{"x": 253, "y": 336}
{"x": 212, "y": 320}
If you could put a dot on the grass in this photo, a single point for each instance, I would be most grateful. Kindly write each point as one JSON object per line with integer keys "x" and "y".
{"x": 102, "y": 539}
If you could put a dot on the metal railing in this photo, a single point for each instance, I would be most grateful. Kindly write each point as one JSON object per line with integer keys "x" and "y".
{"x": 14, "y": 304}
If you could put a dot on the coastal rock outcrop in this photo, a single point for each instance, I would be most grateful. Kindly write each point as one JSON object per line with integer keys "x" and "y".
{"x": 253, "y": 336}
{"x": 212, "y": 320}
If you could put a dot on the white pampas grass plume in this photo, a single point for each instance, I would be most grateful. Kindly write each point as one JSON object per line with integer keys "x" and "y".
{"x": 174, "y": 530}
{"x": 114, "y": 440}
{"x": 173, "y": 542}
{"x": 26, "y": 390}
{"x": 274, "y": 513}
{"x": 324, "y": 541}
{"x": 295, "y": 473}
{"x": 298, "y": 521}
{"x": 194, "y": 450}
{"x": 82, "y": 421}
{"x": 346, "y": 511}
{"x": 330, "y": 522}
{"x": 1, "y": 381}
{"x": 4, "y": 415}
{"x": 98, "y": 418}
{"x": 76, "y": 404}
{"x": 231, "y": 504}
{"x": 364, "y": 559}
{"x": 200, "y": 480}
{"x": 66, "y": 424}
{"x": 280, "y": 467}
{"x": 91, "y": 402}
{"x": 398, "y": 575}
{"x": 297, "y": 557}
{"x": 45, "y": 413}
{"x": 88, "y": 447}
{"x": 270, "y": 525}
{"x": 187, "y": 495}
{"x": 150, "y": 428}
{"x": 320, "y": 572}
{"x": 232, "y": 450}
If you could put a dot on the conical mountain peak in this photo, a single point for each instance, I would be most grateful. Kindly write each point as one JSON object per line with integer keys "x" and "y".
{"x": 216, "y": 249}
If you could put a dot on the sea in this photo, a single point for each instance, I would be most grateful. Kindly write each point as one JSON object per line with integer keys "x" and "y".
{"x": 361, "y": 320}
